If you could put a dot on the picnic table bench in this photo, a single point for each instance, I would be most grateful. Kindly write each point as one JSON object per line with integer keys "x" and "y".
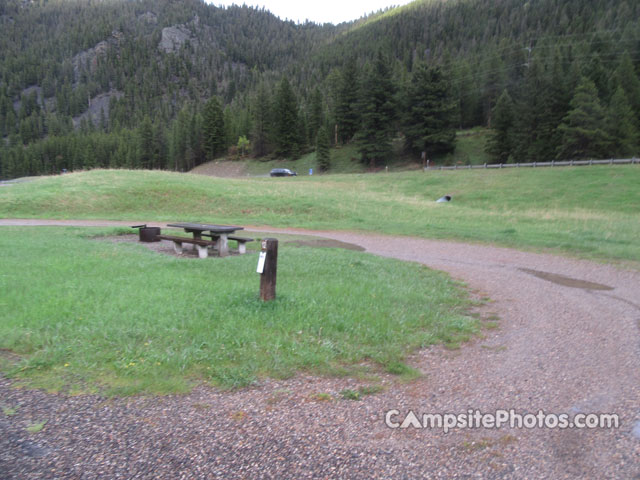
{"x": 219, "y": 234}
{"x": 201, "y": 245}
{"x": 242, "y": 243}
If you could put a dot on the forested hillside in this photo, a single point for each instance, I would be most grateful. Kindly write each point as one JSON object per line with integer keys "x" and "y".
{"x": 173, "y": 83}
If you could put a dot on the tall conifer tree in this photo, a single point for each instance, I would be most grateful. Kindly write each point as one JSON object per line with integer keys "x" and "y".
{"x": 323, "y": 152}
{"x": 213, "y": 128}
{"x": 500, "y": 145}
{"x": 621, "y": 126}
{"x": 347, "y": 112}
{"x": 625, "y": 76}
{"x": 583, "y": 132}
{"x": 378, "y": 112}
{"x": 431, "y": 113}
{"x": 316, "y": 115}
{"x": 145, "y": 145}
{"x": 286, "y": 120}
{"x": 261, "y": 122}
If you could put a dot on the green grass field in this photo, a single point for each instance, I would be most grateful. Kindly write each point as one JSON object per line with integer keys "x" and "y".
{"x": 586, "y": 211}
{"x": 81, "y": 313}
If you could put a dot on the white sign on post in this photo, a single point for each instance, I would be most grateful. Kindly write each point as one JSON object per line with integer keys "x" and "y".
{"x": 261, "y": 259}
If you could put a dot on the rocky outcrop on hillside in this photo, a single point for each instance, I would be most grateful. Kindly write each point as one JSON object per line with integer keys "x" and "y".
{"x": 87, "y": 60}
{"x": 173, "y": 38}
{"x": 98, "y": 106}
{"x": 25, "y": 93}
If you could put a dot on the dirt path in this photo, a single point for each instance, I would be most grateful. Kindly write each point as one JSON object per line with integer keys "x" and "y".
{"x": 568, "y": 342}
{"x": 227, "y": 169}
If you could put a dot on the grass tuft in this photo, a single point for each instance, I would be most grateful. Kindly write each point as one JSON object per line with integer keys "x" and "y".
{"x": 36, "y": 427}
{"x": 10, "y": 411}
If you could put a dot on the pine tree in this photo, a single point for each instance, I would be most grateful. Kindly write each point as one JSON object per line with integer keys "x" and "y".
{"x": 500, "y": 145}
{"x": 145, "y": 145}
{"x": 213, "y": 128}
{"x": 316, "y": 115}
{"x": 347, "y": 113}
{"x": 378, "y": 113}
{"x": 160, "y": 147}
{"x": 466, "y": 91}
{"x": 431, "y": 113}
{"x": 542, "y": 103}
{"x": 179, "y": 140}
{"x": 626, "y": 77}
{"x": 582, "y": 129}
{"x": 261, "y": 122}
{"x": 231, "y": 127}
{"x": 621, "y": 126}
{"x": 323, "y": 152}
{"x": 195, "y": 153}
{"x": 494, "y": 82}
{"x": 286, "y": 133}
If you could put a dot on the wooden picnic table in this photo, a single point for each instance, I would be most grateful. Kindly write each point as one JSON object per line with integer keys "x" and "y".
{"x": 218, "y": 233}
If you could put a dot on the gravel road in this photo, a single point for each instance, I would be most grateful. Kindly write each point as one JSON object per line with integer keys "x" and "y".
{"x": 568, "y": 342}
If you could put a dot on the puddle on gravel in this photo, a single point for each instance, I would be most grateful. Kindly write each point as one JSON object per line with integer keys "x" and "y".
{"x": 326, "y": 243}
{"x": 566, "y": 281}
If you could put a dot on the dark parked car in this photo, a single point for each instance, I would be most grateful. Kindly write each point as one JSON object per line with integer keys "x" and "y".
{"x": 282, "y": 172}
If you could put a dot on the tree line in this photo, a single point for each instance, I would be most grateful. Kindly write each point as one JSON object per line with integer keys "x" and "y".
{"x": 557, "y": 79}
{"x": 368, "y": 108}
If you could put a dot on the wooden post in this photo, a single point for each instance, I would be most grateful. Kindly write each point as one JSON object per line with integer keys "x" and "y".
{"x": 269, "y": 271}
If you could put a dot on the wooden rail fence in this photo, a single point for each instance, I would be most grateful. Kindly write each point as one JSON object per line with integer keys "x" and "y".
{"x": 563, "y": 163}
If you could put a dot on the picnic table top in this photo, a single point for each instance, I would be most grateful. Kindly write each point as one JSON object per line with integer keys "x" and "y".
{"x": 203, "y": 227}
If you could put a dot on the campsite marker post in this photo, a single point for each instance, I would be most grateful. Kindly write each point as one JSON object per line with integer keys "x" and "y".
{"x": 267, "y": 268}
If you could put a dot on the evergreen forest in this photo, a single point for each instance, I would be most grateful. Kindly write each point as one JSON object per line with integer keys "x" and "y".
{"x": 172, "y": 84}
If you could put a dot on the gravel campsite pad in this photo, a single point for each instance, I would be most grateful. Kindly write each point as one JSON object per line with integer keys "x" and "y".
{"x": 568, "y": 341}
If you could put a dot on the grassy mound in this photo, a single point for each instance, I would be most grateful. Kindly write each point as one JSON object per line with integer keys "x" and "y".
{"x": 589, "y": 211}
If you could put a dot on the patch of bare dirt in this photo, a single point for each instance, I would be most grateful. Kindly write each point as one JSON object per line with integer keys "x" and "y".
{"x": 326, "y": 243}
{"x": 225, "y": 169}
{"x": 164, "y": 247}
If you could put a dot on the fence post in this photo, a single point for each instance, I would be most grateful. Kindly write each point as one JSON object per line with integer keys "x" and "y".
{"x": 269, "y": 263}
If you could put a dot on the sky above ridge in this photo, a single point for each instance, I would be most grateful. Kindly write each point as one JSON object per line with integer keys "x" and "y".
{"x": 327, "y": 11}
